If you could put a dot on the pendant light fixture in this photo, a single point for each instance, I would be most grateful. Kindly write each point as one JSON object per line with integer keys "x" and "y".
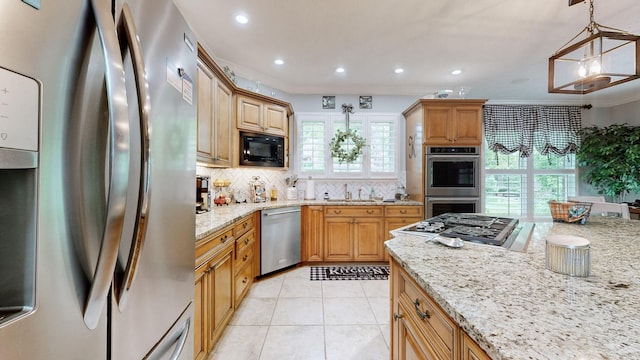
{"x": 598, "y": 57}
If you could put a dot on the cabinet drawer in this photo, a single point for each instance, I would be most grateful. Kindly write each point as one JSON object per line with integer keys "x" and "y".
{"x": 243, "y": 226}
{"x": 245, "y": 241}
{"x": 212, "y": 244}
{"x": 402, "y": 211}
{"x": 353, "y": 211}
{"x": 243, "y": 258}
{"x": 430, "y": 318}
{"x": 243, "y": 280}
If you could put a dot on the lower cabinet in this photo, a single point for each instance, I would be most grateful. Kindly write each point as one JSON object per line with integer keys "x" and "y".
{"x": 214, "y": 298}
{"x": 420, "y": 329}
{"x": 312, "y": 233}
{"x": 224, "y": 271}
{"x": 353, "y": 233}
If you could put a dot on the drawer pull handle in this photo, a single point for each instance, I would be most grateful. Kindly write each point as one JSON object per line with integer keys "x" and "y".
{"x": 396, "y": 316}
{"x": 223, "y": 239}
{"x": 244, "y": 226}
{"x": 337, "y": 211}
{"x": 246, "y": 242}
{"x": 421, "y": 315}
{"x": 244, "y": 258}
{"x": 403, "y": 211}
{"x": 369, "y": 212}
{"x": 244, "y": 281}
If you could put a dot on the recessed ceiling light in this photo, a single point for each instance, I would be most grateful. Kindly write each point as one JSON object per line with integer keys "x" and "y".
{"x": 340, "y": 70}
{"x": 456, "y": 72}
{"x": 398, "y": 70}
{"x": 242, "y": 19}
{"x": 278, "y": 61}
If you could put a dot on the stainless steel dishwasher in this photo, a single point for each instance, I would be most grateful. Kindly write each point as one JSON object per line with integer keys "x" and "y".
{"x": 279, "y": 238}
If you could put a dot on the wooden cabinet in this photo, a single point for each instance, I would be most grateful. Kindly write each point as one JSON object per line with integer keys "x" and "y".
{"x": 224, "y": 271}
{"x": 398, "y": 216}
{"x": 244, "y": 233}
{"x": 260, "y": 116}
{"x": 450, "y": 122}
{"x": 420, "y": 329}
{"x": 312, "y": 233}
{"x": 353, "y": 233}
{"x": 214, "y": 297}
{"x": 215, "y": 117}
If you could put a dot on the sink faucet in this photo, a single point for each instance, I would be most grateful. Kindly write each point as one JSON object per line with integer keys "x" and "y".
{"x": 347, "y": 194}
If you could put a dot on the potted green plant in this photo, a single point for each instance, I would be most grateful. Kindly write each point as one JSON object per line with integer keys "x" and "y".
{"x": 610, "y": 159}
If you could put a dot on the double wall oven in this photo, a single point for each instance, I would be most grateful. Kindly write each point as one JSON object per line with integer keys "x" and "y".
{"x": 452, "y": 180}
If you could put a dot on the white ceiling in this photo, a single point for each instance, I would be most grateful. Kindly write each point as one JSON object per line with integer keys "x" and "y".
{"x": 502, "y": 46}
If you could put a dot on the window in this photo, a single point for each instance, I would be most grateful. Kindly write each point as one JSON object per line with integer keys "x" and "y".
{"x": 522, "y": 187}
{"x": 380, "y": 157}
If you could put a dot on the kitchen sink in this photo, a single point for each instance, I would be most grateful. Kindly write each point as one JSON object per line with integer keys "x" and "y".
{"x": 350, "y": 200}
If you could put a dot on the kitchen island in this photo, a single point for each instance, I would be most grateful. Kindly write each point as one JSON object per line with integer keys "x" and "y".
{"x": 514, "y": 308}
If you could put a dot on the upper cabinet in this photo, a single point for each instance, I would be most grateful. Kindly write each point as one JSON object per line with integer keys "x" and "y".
{"x": 455, "y": 122}
{"x": 224, "y": 109}
{"x": 260, "y": 116}
{"x": 215, "y": 116}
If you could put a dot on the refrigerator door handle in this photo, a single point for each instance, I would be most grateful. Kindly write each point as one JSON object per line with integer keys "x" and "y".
{"x": 118, "y": 163}
{"x": 176, "y": 337}
{"x": 128, "y": 33}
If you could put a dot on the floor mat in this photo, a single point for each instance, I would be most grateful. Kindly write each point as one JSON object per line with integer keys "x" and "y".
{"x": 366, "y": 272}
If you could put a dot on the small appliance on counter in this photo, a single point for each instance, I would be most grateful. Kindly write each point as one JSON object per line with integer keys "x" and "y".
{"x": 203, "y": 194}
{"x": 222, "y": 195}
{"x": 258, "y": 189}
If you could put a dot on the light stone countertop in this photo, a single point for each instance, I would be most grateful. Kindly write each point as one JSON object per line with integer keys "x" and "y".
{"x": 514, "y": 308}
{"x": 220, "y": 216}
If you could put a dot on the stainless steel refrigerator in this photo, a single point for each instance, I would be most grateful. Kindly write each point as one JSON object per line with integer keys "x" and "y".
{"x": 97, "y": 177}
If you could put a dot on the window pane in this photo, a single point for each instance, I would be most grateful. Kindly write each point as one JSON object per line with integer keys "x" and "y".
{"x": 551, "y": 187}
{"x": 553, "y": 161}
{"x": 312, "y": 146}
{"x": 382, "y": 149}
{"x": 495, "y": 160}
{"x": 504, "y": 194}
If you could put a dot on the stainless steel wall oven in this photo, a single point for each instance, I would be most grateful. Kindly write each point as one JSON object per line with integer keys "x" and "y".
{"x": 452, "y": 171}
{"x": 452, "y": 180}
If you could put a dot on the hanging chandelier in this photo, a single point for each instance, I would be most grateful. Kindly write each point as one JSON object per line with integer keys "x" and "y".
{"x": 598, "y": 57}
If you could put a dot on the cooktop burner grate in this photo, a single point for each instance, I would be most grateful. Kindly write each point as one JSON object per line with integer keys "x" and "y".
{"x": 471, "y": 227}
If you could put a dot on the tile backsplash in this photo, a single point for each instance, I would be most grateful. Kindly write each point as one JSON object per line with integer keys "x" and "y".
{"x": 240, "y": 179}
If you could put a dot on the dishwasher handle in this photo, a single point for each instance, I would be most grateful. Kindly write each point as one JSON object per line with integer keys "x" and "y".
{"x": 281, "y": 212}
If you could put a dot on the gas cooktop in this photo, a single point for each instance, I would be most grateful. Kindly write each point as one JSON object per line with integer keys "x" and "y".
{"x": 478, "y": 228}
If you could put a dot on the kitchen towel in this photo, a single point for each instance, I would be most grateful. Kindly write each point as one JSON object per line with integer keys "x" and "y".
{"x": 310, "y": 191}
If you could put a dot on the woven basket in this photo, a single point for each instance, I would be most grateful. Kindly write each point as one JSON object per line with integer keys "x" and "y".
{"x": 570, "y": 212}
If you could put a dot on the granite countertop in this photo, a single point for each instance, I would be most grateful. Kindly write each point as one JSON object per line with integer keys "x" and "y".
{"x": 221, "y": 216}
{"x": 514, "y": 308}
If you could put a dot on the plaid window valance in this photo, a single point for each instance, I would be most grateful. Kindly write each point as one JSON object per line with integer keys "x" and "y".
{"x": 521, "y": 128}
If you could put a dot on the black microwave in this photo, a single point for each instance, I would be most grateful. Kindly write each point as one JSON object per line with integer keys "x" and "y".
{"x": 261, "y": 150}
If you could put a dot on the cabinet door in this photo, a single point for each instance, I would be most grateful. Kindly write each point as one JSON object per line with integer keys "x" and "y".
{"x": 338, "y": 244}
{"x": 313, "y": 233}
{"x": 249, "y": 114}
{"x": 205, "y": 81}
{"x": 275, "y": 120}
{"x": 438, "y": 122}
{"x": 223, "y": 125}
{"x": 411, "y": 343}
{"x": 470, "y": 350}
{"x": 200, "y": 315}
{"x": 221, "y": 293}
{"x": 367, "y": 234}
{"x": 467, "y": 125}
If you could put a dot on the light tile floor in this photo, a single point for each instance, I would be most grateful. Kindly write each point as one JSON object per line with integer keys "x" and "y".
{"x": 288, "y": 316}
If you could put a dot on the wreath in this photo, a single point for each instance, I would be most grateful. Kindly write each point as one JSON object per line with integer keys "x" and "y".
{"x": 339, "y": 151}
